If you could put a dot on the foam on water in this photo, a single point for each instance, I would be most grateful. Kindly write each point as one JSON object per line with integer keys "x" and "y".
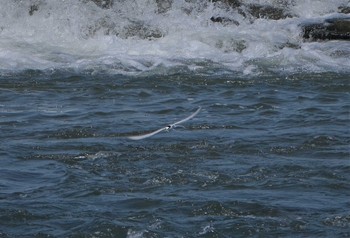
{"x": 143, "y": 35}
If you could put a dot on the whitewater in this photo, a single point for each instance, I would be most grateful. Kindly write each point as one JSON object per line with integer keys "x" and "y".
{"x": 135, "y": 37}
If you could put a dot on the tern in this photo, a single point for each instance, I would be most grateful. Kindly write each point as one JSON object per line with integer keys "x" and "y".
{"x": 167, "y": 128}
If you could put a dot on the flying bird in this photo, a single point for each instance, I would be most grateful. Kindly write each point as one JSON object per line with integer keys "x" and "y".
{"x": 167, "y": 128}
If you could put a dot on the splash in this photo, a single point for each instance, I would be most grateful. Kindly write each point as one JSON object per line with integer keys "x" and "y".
{"x": 151, "y": 36}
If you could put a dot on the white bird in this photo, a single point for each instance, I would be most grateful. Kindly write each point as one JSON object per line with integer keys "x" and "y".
{"x": 140, "y": 137}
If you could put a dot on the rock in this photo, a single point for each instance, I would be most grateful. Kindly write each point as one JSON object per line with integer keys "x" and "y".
{"x": 251, "y": 11}
{"x": 33, "y": 8}
{"x": 329, "y": 29}
{"x": 344, "y": 9}
{"x": 268, "y": 12}
{"x": 141, "y": 30}
{"x": 231, "y": 3}
{"x": 224, "y": 20}
{"x": 135, "y": 29}
{"x": 164, "y": 5}
{"x": 103, "y": 3}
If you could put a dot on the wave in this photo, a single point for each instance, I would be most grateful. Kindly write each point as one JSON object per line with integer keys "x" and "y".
{"x": 153, "y": 36}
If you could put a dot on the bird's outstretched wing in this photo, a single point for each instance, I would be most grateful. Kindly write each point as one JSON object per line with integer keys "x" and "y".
{"x": 140, "y": 137}
{"x": 187, "y": 118}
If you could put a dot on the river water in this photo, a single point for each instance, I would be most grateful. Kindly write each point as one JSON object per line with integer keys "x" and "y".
{"x": 267, "y": 155}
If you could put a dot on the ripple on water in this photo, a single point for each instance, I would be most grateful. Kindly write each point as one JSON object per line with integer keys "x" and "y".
{"x": 21, "y": 177}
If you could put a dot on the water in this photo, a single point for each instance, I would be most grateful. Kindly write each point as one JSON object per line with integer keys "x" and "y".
{"x": 268, "y": 155}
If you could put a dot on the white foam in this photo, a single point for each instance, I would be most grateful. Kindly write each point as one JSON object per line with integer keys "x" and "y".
{"x": 133, "y": 37}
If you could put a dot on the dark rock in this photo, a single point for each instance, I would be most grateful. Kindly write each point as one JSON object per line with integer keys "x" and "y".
{"x": 135, "y": 29}
{"x": 33, "y": 8}
{"x": 344, "y": 9}
{"x": 164, "y": 5}
{"x": 140, "y": 29}
{"x": 251, "y": 12}
{"x": 268, "y": 12}
{"x": 329, "y": 29}
{"x": 224, "y": 20}
{"x": 103, "y": 3}
{"x": 231, "y": 3}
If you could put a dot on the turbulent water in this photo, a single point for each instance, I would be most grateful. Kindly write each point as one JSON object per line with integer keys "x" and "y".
{"x": 267, "y": 156}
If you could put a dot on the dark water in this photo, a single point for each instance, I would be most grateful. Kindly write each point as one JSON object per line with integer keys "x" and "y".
{"x": 268, "y": 156}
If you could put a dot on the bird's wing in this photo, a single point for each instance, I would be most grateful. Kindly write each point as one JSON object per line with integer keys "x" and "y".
{"x": 140, "y": 137}
{"x": 187, "y": 118}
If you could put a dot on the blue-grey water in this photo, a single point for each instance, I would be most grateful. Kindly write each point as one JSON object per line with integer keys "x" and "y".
{"x": 267, "y": 156}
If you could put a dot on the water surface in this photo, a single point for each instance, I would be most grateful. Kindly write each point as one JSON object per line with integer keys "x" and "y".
{"x": 268, "y": 154}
